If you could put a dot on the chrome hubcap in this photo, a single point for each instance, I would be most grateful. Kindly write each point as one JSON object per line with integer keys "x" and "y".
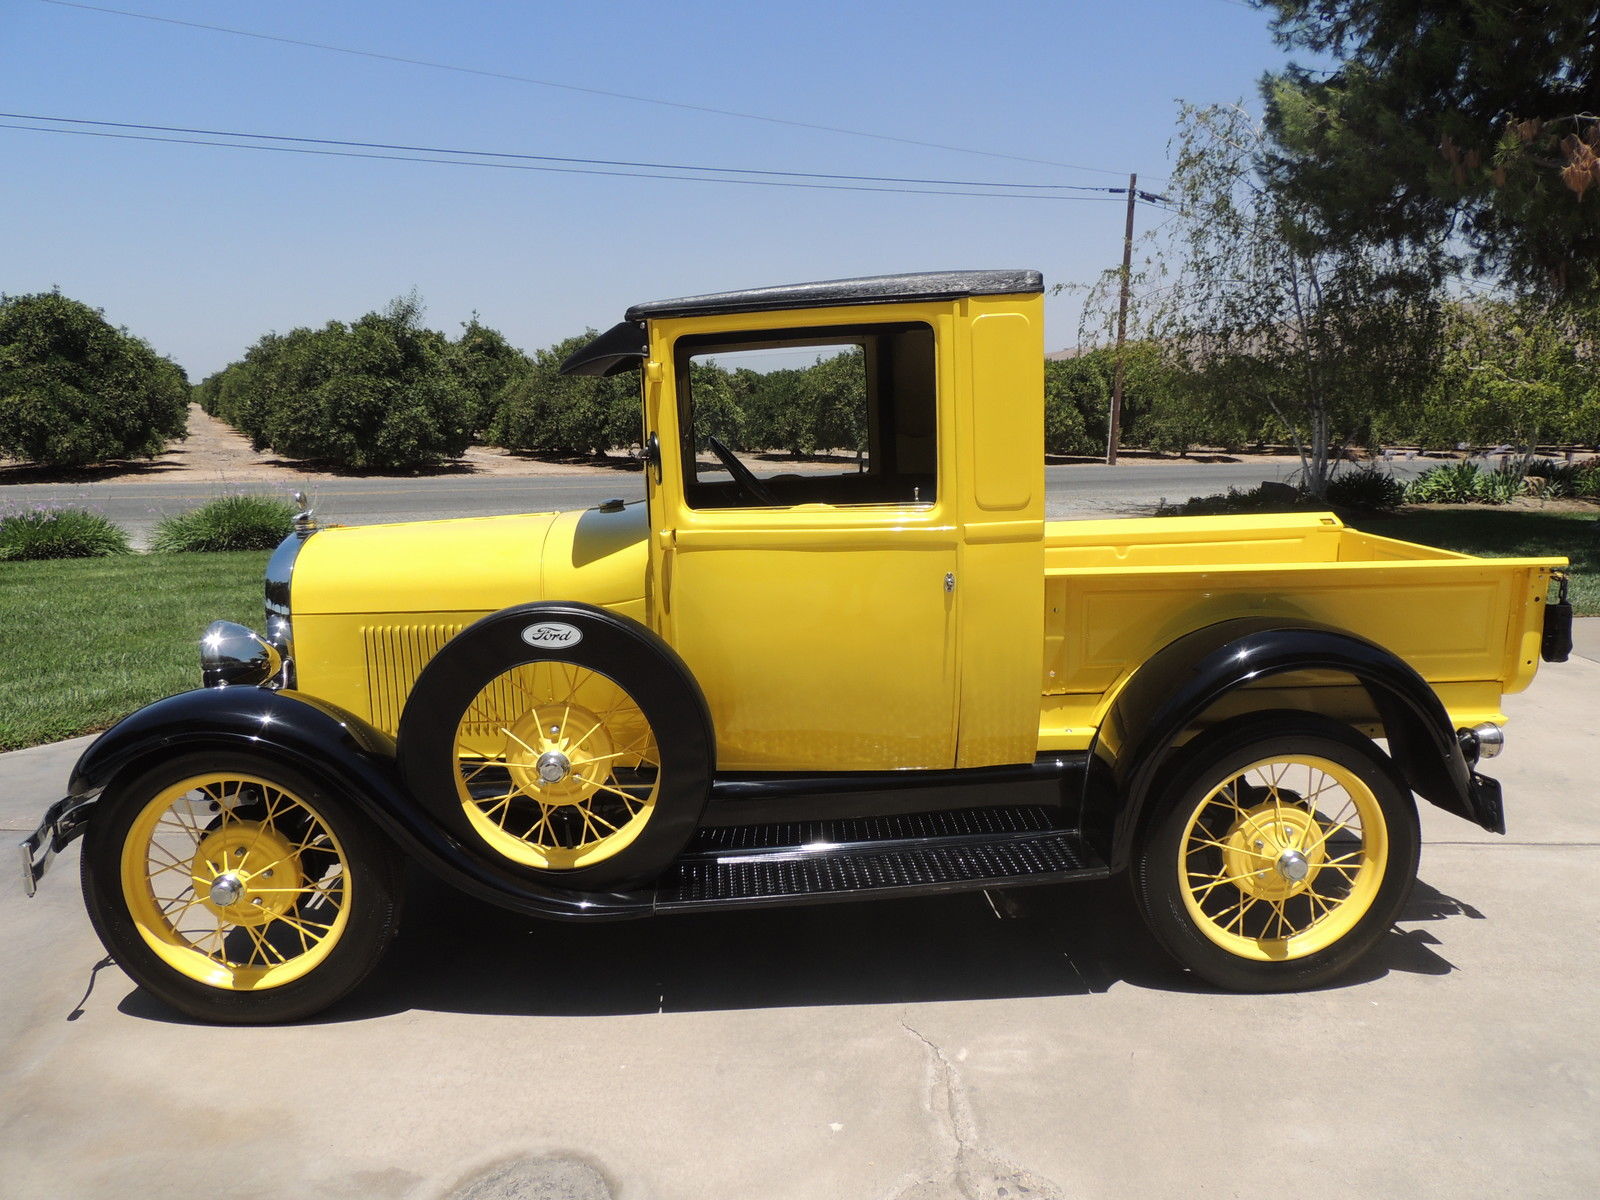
{"x": 226, "y": 890}
{"x": 1292, "y": 865}
{"x": 553, "y": 766}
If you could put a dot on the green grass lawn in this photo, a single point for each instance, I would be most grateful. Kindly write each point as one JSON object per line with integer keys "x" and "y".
{"x": 84, "y": 642}
{"x": 1508, "y": 532}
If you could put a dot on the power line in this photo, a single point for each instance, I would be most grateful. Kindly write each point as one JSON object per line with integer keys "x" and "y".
{"x": 521, "y": 166}
{"x": 568, "y": 87}
{"x": 602, "y": 162}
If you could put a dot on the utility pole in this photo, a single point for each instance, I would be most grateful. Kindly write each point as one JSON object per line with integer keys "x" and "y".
{"x": 1114, "y": 434}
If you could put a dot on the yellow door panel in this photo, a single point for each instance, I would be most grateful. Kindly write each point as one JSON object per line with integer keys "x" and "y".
{"x": 820, "y": 650}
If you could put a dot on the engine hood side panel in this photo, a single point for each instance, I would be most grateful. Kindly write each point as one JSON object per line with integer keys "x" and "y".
{"x": 475, "y": 564}
{"x": 373, "y": 604}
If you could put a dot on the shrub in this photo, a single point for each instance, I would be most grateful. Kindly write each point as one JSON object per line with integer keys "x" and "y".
{"x": 1367, "y": 488}
{"x": 1263, "y": 498}
{"x": 59, "y": 533}
{"x": 1448, "y": 483}
{"x": 227, "y": 523}
{"x": 1558, "y": 480}
{"x": 74, "y": 390}
{"x": 1467, "y": 483}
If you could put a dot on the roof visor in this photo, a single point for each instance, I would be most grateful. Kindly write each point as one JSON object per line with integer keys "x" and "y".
{"x": 619, "y": 348}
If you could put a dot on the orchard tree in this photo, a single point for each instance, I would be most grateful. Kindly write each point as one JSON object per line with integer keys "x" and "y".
{"x": 836, "y": 397}
{"x": 544, "y": 410}
{"x": 381, "y": 393}
{"x": 76, "y": 390}
{"x": 1076, "y": 403}
{"x": 486, "y": 363}
{"x": 1273, "y": 311}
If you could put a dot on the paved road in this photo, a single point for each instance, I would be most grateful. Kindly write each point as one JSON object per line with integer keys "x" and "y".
{"x": 1071, "y": 491}
{"x": 910, "y": 1050}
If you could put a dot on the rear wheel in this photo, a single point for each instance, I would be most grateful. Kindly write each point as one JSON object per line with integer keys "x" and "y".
{"x": 238, "y": 890}
{"x": 1282, "y": 852}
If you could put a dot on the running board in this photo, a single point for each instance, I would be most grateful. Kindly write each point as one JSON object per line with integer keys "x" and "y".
{"x": 854, "y": 858}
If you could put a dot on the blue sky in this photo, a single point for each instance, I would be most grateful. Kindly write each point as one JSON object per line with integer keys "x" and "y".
{"x": 201, "y": 250}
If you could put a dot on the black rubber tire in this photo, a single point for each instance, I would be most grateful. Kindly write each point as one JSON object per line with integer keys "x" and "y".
{"x": 1202, "y": 767}
{"x": 375, "y": 888}
{"x": 640, "y": 662}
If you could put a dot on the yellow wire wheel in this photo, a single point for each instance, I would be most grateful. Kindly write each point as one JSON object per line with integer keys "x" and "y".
{"x": 563, "y": 742}
{"x": 557, "y": 766}
{"x": 234, "y": 888}
{"x": 1283, "y": 858}
{"x": 234, "y": 881}
{"x": 1286, "y": 847}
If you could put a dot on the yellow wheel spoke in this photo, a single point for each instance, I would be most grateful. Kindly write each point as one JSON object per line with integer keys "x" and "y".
{"x": 1244, "y": 907}
{"x": 172, "y": 914}
{"x": 1201, "y": 843}
{"x": 585, "y": 737}
{"x": 1327, "y": 832}
{"x": 172, "y": 859}
{"x": 520, "y": 742}
{"x": 616, "y": 791}
{"x": 599, "y": 820}
{"x": 1216, "y": 883}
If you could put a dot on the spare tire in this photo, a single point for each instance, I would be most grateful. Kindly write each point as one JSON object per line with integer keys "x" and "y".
{"x": 564, "y": 738}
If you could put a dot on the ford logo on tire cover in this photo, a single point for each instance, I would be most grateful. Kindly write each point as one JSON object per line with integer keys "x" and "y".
{"x": 552, "y": 635}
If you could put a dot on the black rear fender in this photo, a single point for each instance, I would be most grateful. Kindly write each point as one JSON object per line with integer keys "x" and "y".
{"x": 1168, "y": 696}
{"x": 339, "y": 750}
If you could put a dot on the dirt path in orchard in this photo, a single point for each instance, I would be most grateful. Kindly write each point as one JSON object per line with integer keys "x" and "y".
{"x": 216, "y": 453}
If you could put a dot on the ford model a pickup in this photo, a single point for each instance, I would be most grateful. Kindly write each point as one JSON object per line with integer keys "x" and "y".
{"x": 785, "y": 686}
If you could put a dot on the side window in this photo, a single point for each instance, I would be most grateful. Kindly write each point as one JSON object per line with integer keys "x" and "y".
{"x": 842, "y": 415}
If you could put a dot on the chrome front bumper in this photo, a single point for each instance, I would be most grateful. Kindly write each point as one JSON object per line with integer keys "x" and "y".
{"x": 63, "y": 824}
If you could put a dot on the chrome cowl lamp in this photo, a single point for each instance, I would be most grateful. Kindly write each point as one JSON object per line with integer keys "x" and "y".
{"x": 231, "y": 653}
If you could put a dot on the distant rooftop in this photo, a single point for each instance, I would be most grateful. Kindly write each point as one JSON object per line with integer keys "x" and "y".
{"x": 873, "y": 289}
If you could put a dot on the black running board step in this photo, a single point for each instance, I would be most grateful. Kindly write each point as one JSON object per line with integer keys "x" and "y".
{"x": 859, "y": 871}
{"x": 873, "y": 832}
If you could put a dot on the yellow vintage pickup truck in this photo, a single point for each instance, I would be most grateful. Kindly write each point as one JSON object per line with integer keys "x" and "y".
{"x": 770, "y": 683}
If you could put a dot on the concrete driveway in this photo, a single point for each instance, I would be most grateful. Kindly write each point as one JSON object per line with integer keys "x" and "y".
{"x": 909, "y": 1050}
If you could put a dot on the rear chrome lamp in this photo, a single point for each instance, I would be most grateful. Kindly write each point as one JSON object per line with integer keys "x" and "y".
{"x": 1481, "y": 741}
{"x": 231, "y": 653}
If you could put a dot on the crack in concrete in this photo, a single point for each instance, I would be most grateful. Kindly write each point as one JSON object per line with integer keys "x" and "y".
{"x": 974, "y": 1173}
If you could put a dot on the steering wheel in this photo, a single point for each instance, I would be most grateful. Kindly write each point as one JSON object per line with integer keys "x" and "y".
{"x": 743, "y": 477}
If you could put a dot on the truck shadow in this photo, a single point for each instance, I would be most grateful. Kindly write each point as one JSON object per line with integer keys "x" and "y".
{"x": 456, "y": 954}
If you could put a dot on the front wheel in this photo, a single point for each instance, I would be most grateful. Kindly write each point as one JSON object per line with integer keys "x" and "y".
{"x": 1282, "y": 851}
{"x": 237, "y": 890}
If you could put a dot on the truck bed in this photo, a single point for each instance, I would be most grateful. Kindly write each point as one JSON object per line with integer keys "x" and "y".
{"x": 1117, "y": 591}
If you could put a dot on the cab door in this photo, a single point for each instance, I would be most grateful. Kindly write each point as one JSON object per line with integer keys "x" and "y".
{"x": 815, "y": 601}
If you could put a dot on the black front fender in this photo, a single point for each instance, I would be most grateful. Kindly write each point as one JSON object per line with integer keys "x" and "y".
{"x": 1175, "y": 686}
{"x": 341, "y": 751}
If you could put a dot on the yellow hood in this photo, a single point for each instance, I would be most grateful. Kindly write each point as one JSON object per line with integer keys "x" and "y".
{"x": 474, "y": 564}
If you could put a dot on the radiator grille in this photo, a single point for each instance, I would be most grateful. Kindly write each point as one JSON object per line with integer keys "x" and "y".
{"x": 396, "y": 655}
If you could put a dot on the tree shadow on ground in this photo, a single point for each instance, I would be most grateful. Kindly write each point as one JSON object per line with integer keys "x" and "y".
{"x": 607, "y": 462}
{"x": 121, "y": 468}
{"x": 456, "y": 954}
